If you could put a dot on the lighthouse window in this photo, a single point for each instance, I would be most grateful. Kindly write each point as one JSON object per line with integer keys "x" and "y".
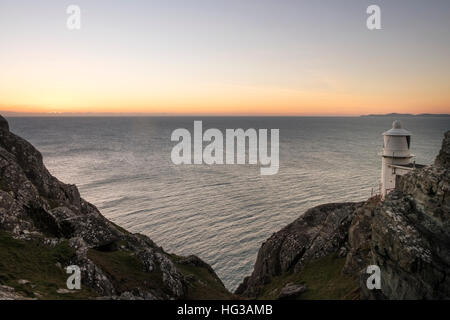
{"x": 408, "y": 140}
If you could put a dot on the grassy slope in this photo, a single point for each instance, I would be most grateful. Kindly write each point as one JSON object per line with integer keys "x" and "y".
{"x": 323, "y": 279}
{"x": 125, "y": 270}
{"x": 37, "y": 263}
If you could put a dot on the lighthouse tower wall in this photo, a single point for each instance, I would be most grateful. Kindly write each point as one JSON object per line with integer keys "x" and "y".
{"x": 396, "y": 156}
{"x": 389, "y": 171}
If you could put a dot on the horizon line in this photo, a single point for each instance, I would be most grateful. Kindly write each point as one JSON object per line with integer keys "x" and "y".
{"x": 12, "y": 114}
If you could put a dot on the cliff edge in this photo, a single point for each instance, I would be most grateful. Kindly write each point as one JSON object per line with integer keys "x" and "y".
{"x": 46, "y": 226}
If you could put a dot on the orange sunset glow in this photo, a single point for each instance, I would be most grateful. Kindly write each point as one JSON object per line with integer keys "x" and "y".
{"x": 298, "y": 63}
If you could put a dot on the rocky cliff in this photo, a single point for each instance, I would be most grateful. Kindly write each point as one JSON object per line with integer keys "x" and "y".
{"x": 45, "y": 226}
{"x": 410, "y": 234}
{"x": 320, "y": 232}
{"x": 325, "y": 252}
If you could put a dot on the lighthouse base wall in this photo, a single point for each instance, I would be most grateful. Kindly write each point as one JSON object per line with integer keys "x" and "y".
{"x": 389, "y": 173}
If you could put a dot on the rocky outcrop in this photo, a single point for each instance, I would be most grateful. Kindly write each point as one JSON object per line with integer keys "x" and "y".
{"x": 4, "y": 124}
{"x": 35, "y": 206}
{"x": 410, "y": 234}
{"x": 319, "y": 232}
{"x": 8, "y": 293}
{"x": 407, "y": 235}
{"x": 360, "y": 237}
{"x": 443, "y": 159}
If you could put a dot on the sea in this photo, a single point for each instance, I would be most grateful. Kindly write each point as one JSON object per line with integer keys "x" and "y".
{"x": 221, "y": 213}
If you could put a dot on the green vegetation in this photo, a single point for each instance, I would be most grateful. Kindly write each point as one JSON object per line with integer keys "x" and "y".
{"x": 202, "y": 284}
{"x": 125, "y": 270}
{"x": 40, "y": 264}
{"x": 323, "y": 279}
{"x": 42, "y": 267}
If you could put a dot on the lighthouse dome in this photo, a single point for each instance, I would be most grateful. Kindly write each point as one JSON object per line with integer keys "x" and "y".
{"x": 397, "y": 142}
{"x": 397, "y": 130}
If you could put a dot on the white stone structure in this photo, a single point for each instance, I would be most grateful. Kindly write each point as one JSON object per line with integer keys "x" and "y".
{"x": 396, "y": 156}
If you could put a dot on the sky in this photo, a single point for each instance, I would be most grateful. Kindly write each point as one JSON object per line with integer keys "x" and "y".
{"x": 246, "y": 57}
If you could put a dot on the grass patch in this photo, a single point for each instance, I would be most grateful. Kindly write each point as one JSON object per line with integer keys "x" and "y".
{"x": 33, "y": 261}
{"x": 323, "y": 279}
{"x": 126, "y": 271}
{"x": 202, "y": 284}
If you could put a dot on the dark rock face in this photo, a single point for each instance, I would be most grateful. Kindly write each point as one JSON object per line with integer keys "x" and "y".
{"x": 319, "y": 232}
{"x": 411, "y": 249}
{"x": 34, "y": 203}
{"x": 360, "y": 237}
{"x": 4, "y": 124}
{"x": 443, "y": 159}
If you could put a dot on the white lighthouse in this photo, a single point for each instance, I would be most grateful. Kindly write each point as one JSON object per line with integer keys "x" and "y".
{"x": 396, "y": 156}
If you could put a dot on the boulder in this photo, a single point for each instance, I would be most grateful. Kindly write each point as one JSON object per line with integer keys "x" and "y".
{"x": 291, "y": 291}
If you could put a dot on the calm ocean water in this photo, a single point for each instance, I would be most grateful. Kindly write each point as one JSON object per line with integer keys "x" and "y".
{"x": 220, "y": 213}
